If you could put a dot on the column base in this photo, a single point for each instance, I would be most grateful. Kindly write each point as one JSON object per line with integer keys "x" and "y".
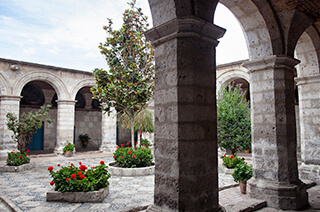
{"x": 279, "y": 195}
{"x": 155, "y": 208}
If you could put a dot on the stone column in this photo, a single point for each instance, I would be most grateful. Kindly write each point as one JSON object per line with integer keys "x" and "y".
{"x": 309, "y": 112}
{"x": 275, "y": 171}
{"x": 65, "y": 124}
{"x": 8, "y": 104}
{"x": 186, "y": 173}
{"x": 109, "y": 132}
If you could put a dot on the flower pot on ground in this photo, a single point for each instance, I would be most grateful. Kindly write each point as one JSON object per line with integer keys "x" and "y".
{"x": 84, "y": 138}
{"x": 231, "y": 161}
{"x": 68, "y": 149}
{"x": 242, "y": 173}
{"x": 79, "y": 184}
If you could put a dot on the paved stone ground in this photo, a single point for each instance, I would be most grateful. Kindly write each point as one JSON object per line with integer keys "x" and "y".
{"x": 26, "y": 191}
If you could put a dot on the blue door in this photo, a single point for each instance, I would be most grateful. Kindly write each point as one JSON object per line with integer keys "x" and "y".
{"x": 37, "y": 141}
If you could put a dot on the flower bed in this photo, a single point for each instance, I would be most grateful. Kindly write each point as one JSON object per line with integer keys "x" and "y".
{"x": 80, "y": 180}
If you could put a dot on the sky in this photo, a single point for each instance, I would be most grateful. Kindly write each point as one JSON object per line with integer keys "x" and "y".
{"x": 66, "y": 33}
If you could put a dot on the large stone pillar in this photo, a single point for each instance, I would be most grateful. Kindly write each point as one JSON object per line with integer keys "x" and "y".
{"x": 275, "y": 171}
{"x": 309, "y": 112}
{"x": 186, "y": 177}
{"x": 65, "y": 124}
{"x": 8, "y": 104}
{"x": 109, "y": 132}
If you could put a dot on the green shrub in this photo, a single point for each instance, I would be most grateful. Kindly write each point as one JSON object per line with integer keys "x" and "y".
{"x": 145, "y": 142}
{"x": 68, "y": 147}
{"x": 232, "y": 161}
{"x": 82, "y": 178}
{"x": 127, "y": 158}
{"x": 242, "y": 172}
{"x": 17, "y": 158}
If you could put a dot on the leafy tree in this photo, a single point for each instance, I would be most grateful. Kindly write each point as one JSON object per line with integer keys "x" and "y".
{"x": 128, "y": 85}
{"x": 234, "y": 125}
{"x": 143, "y": 122}
{"x": 26, "y": 128}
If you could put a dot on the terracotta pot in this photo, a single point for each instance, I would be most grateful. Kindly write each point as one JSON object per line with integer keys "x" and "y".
{"x": 243, "y": 187}
{"x": 84, "y": 143}
{"x": 247, "y": 151}
{"x": 68, "y": 153}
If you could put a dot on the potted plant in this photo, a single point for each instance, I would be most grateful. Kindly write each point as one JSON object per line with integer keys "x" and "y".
{"x": 242, "y": 173}
{"x": 145, "y": 142}
{"x": 79, "y": 184}
{"x": 231, "y": 161}
{"x": 68, "y": 149}
{"x": 84, "y": 138}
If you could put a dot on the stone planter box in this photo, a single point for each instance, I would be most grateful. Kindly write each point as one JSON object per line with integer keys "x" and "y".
{"x": 129, "y": 172}
{"x": 24, "y": 167}
{"x": 77, "y": 197}
{"x": 226, "y": 170}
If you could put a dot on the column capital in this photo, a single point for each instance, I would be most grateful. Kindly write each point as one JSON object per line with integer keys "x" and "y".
{"x": 271, "y": 62}
{"x": 66, "y": 102}
{"x": 10, "y": 98}
{"x": 185, "y": 27}
{"x": 315, "y": 78}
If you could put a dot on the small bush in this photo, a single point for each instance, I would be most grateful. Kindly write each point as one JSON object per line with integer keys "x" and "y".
{"x": 68, "y": 147}
{"x": 17, "y": 158}
{"x": 127, "y": 158}
{"x": 242, "y": 172}
{"x": 145, "y": 142}
{"x": 82, "y": 178}
{"x": 232, "y": 161}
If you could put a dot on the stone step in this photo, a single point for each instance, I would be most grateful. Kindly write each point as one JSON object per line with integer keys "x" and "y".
{"x": 246, "y": 205}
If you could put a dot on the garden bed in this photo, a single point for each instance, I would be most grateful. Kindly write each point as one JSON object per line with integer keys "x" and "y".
{"x": 114, "y": 169}
{"x": 23, "y": 167}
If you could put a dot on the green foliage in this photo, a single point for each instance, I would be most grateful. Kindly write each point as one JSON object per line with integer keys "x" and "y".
{"x": 76, "y": 179}
{"x": 68, "y": 147}
{"x": 232, "y": 161}
{"x": 17, "y": 158}
{"x": 126, "y": 157}
{"x": 145, "y": 142}
{"x": 233, "y": 115}
{"x": 84, "y": 137}
{"x": 26, "y": 128}
{"x": 128, "y": 85}
{"x": 143, "y": 122}
{"x": 242, "y": 172}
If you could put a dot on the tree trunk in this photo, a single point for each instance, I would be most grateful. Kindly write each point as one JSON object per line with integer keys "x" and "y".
{"x": 132, "y": 132}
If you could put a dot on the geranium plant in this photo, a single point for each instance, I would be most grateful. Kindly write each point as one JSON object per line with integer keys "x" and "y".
{"x": 79, "y": 179}
{"x": 231, "y": 161}
{"x": 242, "y": 172}
{"x": 17, "y": 158}
{"x": 68, "y": 147}
{"x": 126, "y": 157}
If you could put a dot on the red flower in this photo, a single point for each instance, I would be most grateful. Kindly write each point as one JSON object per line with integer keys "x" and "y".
{"x": 82, "y": 177}
{"x": 129, "y": 152}
{"x": 67, "y": 145}
{"x": 26, "y": 154}
{"x": 50, "y": 168}
{"x": 102, "y": 162}
{"x": 121, "y": 145}
{"x": 246, "y": 163}
{"x": 136, "y": 142}
{"x": 133, "y": 156}
{"x": 80, "y": 163}
{"x": 114, "y": 156}
{"x": 127, "y": 144}
{"x": 67, "y": 179}
{"x": 231, "y": 156}
{"x": 73, "y": 176}
{"x": 28, "y": 150}
{"x": 121, "y": 157}
{"x": 19, "y": 157}
{"x": 11, "y": 152}
{"x": 79, "y": 173}
{"x": 52, "y": 183}
{"x": 58, "y": 164}
{"x": 71, "y": 164}
{"x": 69, "y": 167}
{"x": 117, "y": 147}
{"x": 82, "y": 168}
{"x": 92, "y": 167}
{"x": 67, "y": 141}
{"x": 224, "y": 155}
{"x": 128, "y": 147}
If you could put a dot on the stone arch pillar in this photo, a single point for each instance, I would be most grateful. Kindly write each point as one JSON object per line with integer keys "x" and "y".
{"x": 8, "y": 104}
{"x": 186, "y": 173}
{"x": 65, "y": 124}
{"x": 275, "y": 170}
{"x": 109, "y": 132}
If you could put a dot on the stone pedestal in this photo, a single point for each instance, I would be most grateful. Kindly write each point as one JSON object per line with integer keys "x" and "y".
{"x": 109, "y": 132}
{"x": 8, "y": 104}
{"x": 309, "y": 112}
{"x": 65, "y": 124}
{"x": 275, "y": 173}
{"x": 186, "y": 177}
